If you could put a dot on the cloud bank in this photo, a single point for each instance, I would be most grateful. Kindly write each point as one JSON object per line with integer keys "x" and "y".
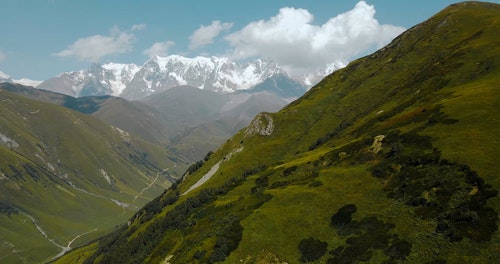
{"x": 159, "y": 49}
{"x": 95, "y": 47}
{"x": 299, "y": 46}
{"x": 205, "y": 35}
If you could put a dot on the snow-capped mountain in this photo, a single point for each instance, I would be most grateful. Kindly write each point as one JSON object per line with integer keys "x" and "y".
{"x": 107, "y": 79}
{"x": 313, "y": 78}
{"x": 162, "y": 73}
{"x": 215, "y": 74}
{"x": 24, "y": 81}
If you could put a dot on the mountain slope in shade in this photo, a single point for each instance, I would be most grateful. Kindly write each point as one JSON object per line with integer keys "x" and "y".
{"x": 67, "y": 176}
{"x": 392, "y": 159}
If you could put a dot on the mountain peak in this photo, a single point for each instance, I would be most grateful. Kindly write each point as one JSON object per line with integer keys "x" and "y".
{"x": 24, "y": 81}
{"x": 4, "y": 76}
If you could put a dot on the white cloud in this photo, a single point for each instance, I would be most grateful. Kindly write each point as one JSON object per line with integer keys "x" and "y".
{"x": 159, "y": 49}
{"x": 299, "y": 46}
{"x": 138, "y": 27}
{"x": 205, "y": 35}
{"x": 95, "y": 47}
{"x": 2, "y": 56}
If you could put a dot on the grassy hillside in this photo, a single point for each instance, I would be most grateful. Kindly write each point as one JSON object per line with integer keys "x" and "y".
{"x": 65, "y": 175}
{"x": 389, "y": 160}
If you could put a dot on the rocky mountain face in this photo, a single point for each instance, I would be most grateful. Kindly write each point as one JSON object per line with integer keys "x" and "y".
{"x": 392, "y": 159}
{"x": 162, "y": 73}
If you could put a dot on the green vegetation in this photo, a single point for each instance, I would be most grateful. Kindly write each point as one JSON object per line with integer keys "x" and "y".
{"x": 389, "y": 160}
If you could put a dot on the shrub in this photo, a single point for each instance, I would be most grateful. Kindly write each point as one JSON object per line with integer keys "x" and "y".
{"x": 343, "y": 216}
{"x": 312, "y": 249}
{"x": 399, "y": 249}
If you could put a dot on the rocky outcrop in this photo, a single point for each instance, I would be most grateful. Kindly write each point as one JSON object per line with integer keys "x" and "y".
{"x": 261, "y": 125}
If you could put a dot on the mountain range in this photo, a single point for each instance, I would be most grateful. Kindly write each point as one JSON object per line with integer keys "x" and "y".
{"x": 159, "y": 74}
{"x": 392, "y": 159}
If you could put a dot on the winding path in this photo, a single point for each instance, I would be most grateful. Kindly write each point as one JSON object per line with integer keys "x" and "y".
{"x": 150, "y": 184}
{"x": 68, "y": 247}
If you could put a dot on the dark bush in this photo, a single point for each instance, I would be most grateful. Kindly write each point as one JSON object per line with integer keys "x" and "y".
{"x": 437, "y": 261}
{"x": 315, "y": 184}
{"x": 312, "y": 249}
{"x": 279, "y": 184}
{"x": 343, "y": 216}
{"x": 7, "y": 209}
{"x": 228, "y": 240}
{"x": 199, "y": 254}
{"x": 288, "y": 171}
{"x": 399, "y": 249}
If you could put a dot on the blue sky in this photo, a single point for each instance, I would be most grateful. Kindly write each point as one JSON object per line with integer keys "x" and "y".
{"x": 42, "y": 38}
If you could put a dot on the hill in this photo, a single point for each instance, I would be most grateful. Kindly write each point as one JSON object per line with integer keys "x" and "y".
{"x": 389, "y": 160}
{"x": 67, "y": 178}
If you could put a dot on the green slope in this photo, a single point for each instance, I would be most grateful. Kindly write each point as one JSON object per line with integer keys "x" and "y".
{"x": 389, "y": 160}
{"x": 65, "y": 175}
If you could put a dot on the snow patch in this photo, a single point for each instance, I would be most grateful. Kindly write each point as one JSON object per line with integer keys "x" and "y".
{"x": 4, "y": 75}
{"x": 121, "y": 74}
{"x": 106, "y": 176}
{"x": 28, "y": 82}
{"x": 124, "y": 134}
{"x": 178, "y": 78}
{"x": 50, "y": 167}
{"x": 121, "y": 204}
{"x": 10, "y": 143}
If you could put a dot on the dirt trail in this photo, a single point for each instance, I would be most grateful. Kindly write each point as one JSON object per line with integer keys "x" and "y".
{"x": 150, "y": 184}
{"x": 68, "y": 247}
